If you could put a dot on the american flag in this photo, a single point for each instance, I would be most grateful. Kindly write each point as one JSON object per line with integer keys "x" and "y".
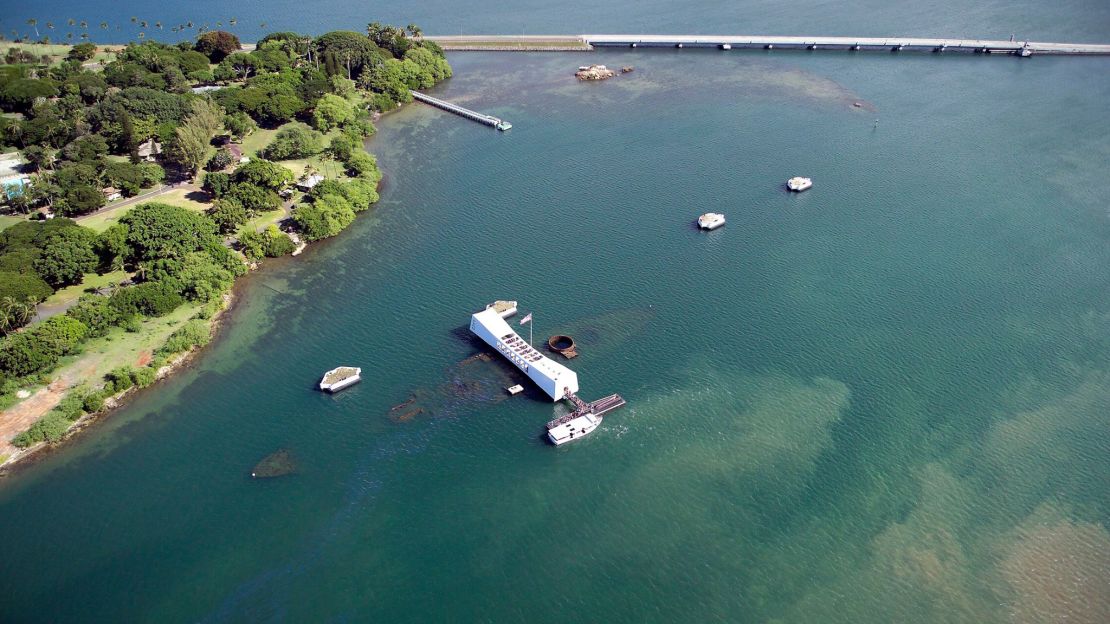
{"x": 527, "y": 319}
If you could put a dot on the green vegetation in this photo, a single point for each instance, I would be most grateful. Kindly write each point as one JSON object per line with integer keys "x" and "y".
{"x": 152, "y": 274}
{"x": 295, "y": 142}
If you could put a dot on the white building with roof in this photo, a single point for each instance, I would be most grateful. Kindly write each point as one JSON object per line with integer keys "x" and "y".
{"x": 553, "y": 378}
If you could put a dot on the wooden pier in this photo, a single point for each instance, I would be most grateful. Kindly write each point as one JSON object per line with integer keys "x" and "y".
{"x": 599, "y": 407}
{"x": 488, "y": 120}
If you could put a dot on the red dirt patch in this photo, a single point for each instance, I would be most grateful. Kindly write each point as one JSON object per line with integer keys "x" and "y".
{"x": 144, "y": 359}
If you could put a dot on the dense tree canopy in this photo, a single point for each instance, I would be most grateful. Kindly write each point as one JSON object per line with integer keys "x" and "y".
{"x": 162, "y": 231}
{"x": 217, "y": 44}
{"x": 294, "y": 141}
{"x": 68, "y": 255}
{"x": 352, "y": 52}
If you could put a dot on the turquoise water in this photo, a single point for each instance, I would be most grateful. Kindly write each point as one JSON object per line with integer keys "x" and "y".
{"x": 886, "y": 399}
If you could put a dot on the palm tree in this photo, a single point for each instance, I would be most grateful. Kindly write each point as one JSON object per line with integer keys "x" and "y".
{"x": 34, "y": 23}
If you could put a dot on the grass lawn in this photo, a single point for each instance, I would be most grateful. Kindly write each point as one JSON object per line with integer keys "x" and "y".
{"x": 103, "y": 220}
{"x": 259, "y": 139}
{"x": 104, "y": 53}
{"x": 262, "y": 137}
{"x": 260, "y": 221}
{"x": 6, "y": 221}
{"x": 180, "y": 197}
{"x": 120, "y": 347}
{"x": 92, "y": 281}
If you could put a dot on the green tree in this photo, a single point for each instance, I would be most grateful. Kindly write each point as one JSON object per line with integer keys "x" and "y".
{"x": 21, "y": 354}
{"x": 82, "y": 52}
{"x": 362, "y": 164}
{"x": 96, "y": 312}
{"x": 263, "y": 173}
{"x": 202, "y": 279}
{"x": 220, "y": 160}
{"x": 15, "y": 313}
{"x": 23, "y": 287}
{"x": 148, "y": 299}
{"x": 217, "y": 44}
{"x": 21, "y": 93}
{"x": 332, "y": 111}
{"x": 294, "y": 142}
{"x": 80, "y": 199}
{"x": 162, "y": 231}
{"x": 190, "y": 147}
{"x": 193, "y": 138}
{"x": 217, "y": 183}
{"x": 326, "y": 216}
{"x": 67, "y": 257}
{"x": 239, "y": 124}
{"x": 355, "y": 52}
{"x": 112, "y": 247}
{"x": 255, "y": 199}
{"x": 228, "y": 214}
{"x": 39, "y": 157}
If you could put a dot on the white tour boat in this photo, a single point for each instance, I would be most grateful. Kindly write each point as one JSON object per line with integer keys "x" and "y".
{"x": 711, "y": 220}
{"x": 342, "y": 377}
{"x": 798, "y": 183}
{"x": 573, "y": 429}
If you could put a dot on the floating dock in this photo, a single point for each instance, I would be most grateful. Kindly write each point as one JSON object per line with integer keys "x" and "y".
{"x": 599, "y": 407}
{"x": 481, "y": 118}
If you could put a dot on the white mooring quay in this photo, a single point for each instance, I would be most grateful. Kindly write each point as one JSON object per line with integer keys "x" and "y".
{"x": 481, "y": 118}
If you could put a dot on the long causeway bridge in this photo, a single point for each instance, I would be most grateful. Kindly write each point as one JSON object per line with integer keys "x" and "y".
{"x": 728, "y": 42}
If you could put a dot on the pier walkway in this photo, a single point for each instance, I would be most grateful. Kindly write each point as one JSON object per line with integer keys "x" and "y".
{"x": 728, "y": 42}
{"x": 599, "y": 407}
{"x": 488, "y": 120}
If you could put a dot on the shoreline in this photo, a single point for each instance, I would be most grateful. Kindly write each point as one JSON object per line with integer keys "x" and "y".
{"x": 24, "y": 458}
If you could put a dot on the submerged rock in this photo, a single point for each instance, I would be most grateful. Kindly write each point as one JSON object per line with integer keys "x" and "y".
{"x": 276, "y": 464}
